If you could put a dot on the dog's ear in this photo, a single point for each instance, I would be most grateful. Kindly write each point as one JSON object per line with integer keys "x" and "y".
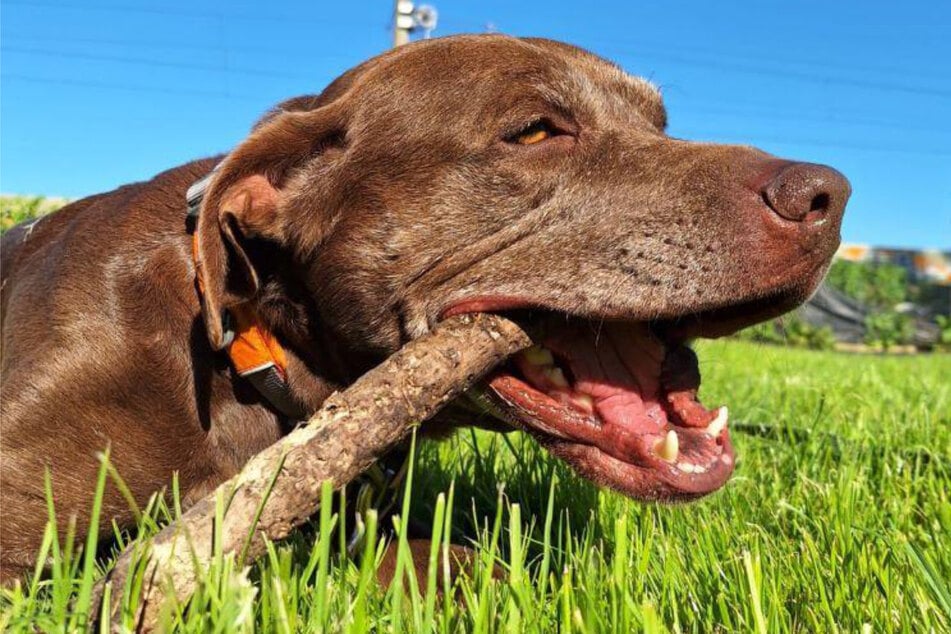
{"x": 244, "y": 202}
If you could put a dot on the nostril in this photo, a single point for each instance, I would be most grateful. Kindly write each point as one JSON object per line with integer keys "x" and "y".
{"x": 820, "y": 203}
{"x": 804, "y": 192}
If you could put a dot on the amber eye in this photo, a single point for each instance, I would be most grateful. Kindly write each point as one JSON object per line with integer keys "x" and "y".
{"x": 535, "y": 133}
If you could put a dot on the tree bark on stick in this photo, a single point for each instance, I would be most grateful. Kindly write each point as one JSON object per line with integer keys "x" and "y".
{"x": 351, "y": 431}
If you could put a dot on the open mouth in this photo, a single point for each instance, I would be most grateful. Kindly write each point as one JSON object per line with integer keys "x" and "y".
{"x": 618, "y": 402}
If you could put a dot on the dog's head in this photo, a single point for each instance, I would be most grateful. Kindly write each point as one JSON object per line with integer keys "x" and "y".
{"x": 487, "y": 173}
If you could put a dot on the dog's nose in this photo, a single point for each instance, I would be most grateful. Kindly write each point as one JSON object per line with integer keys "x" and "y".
{"x": 806, "y": 192}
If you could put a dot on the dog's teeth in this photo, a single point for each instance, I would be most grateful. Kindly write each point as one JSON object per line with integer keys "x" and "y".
{"x": 584, "y": 401}
{"x": 537, "y": 355}
{"x": 669, "y": 447}
{"x": 689, "y": 467}
{"x": 556, "y": 376}
{"x": 715, "y": 427}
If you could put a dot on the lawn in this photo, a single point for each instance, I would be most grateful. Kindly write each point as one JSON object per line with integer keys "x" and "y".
{"x": 838, "y": 519}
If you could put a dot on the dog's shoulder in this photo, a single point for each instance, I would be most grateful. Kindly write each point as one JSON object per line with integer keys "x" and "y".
{"x": 89, "y": 229}
{"x": 122, "y": 257}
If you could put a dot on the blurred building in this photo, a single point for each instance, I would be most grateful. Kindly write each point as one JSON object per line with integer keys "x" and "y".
{"x": 928, "y": 266}
{"x": 929, "y": 269}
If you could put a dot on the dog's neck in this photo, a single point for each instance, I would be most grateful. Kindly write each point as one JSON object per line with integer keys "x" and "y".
{"x": 318, "y": 362}
{"x": 315, "y": 360}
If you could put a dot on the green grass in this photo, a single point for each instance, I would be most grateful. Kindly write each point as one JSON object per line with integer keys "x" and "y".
{"x": 838, "y": 519}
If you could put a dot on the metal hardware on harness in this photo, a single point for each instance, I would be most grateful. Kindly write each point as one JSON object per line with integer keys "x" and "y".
{"x": 196, "y": 193}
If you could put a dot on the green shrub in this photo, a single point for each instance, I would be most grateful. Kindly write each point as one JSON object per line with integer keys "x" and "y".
{"x": 17, "y": 209}
{"x": 944, "y": 338}
{"x": 801, "y": 334}
{"x": 888, "y": 328}
{"x": 822, "y": 338}
{"x": 790, "y": 330}
{"x": 765, "y": 332}
{"x": 879, "y": 286}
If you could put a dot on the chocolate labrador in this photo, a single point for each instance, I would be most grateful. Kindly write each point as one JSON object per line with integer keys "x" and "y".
{"x": 472, "y": 173}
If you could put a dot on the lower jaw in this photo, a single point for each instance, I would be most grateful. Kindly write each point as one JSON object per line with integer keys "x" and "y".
{"x": 606, "y": 397}
{"x": 638, "y": 482}
{"x": 657, "y": 481}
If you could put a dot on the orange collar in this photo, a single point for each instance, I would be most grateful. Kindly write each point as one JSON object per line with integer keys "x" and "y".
{"x": 256, "y": 354}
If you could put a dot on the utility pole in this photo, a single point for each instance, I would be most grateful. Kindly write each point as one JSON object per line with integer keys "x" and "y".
{"x": 407, "y": 18}
{"x": 403, "y": 22}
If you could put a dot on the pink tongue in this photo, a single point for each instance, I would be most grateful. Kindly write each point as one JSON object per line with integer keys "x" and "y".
{"x": 621, "y": 367}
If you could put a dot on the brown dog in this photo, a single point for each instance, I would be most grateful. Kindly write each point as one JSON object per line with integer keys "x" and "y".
{"x": 480, "y": 173}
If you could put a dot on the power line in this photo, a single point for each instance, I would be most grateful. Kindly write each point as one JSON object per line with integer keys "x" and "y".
{"x": 263, "y": 16}
{"x": 190, "y": 45}
{"x": 706, "y": 53}
{"x": 655, "y": 46}
{"x": 833, "y": 143}
{"x": 777, "y": 114}
{"x": 825, "y": 143}
{"x": 704, "y": 62}
{"x": 470, "y": 24}
{"x": 216, "y": 94}
{"x": 227, "y": 68}
{"x": 774, "y": 72}
{"x": 729, "y": 110}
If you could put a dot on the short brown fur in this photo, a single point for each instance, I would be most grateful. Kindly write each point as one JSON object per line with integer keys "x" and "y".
{"x": 351, "y": 220}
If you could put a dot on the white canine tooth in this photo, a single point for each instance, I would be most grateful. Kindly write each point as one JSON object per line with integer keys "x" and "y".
{"x": 556, "y": 376}
{"x": 689, "y": 467}
{"x": 715, "y": 427}
{"x": 537, "y": 355}
{"x": 583, "y": 401}
{"x": 669, "y": 447}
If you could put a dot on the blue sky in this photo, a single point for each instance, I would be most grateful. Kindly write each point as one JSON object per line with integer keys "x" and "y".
{"x": 97, "y": 93}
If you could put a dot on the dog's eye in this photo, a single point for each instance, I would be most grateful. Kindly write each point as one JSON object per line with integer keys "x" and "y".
{"x": 535, "y": 133}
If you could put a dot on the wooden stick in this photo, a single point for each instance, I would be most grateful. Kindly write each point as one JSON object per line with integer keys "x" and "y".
{"x": 350, "y": 432}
